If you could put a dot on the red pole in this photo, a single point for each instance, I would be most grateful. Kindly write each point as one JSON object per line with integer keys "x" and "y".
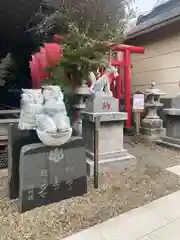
{"x": 118, "y": 88}
{"x": 125, "y": 74}
{"x": 120, "y": 59}
{"x": 127, "y": 87}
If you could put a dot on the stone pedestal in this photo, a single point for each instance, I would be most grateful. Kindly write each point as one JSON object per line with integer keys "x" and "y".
{"x": 173, "y": 120}
{"x": 111, "y": 151}
{"x": 172, "y": 138}
{"x": 152, "y": 129}
{"x": 152, "y": 126}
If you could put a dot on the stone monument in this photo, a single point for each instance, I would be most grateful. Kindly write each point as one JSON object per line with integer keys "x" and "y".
{"x": 152, "y": 126}
{"x": 16, "y": 140}
{"x": 172, "y": 138}
{"x": 50, "y": 174}
{"x": 102, "y": 105}
{"x": 49, "y": 164}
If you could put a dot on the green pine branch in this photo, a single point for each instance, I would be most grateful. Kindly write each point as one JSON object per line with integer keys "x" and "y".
{"x": 6, "y": 68}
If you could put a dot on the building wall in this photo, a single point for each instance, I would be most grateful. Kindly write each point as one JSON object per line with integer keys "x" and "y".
{"x": 160, "y": 63}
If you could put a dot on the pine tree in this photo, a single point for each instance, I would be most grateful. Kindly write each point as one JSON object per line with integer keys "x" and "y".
{"x": 81, "y": 55}
{"x": 102, "y": 19}
{"x": 87, "y": 26}
{"x": 7, "y": 67}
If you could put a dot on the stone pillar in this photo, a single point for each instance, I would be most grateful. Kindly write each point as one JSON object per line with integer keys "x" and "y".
{"x": 82, "y": 92}
{"x": 111, "y": 151}
{"x": 152, "y": 126}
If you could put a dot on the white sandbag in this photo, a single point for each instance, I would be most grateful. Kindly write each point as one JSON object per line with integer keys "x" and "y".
{"x": 32, "y": 96}
{"x": 62, "y": 122}
{"x": 52, "y": 92}
{"x": 45, "y": 123}
{"x": 28, "y": 114}
{"x": 24, "y": 125}
{"x": 53, "y": 106}
{"x": 56, "y": 139}
{"x": 31, "y": 102}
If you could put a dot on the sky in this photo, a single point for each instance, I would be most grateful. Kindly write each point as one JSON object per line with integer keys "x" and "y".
{"x": 145, "y": 5}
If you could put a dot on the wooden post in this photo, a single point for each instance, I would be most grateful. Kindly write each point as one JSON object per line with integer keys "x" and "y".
{"x": 138, "y": 108}
{"x": 137, "y": 118}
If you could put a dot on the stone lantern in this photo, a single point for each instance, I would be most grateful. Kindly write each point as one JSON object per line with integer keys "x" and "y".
{"x": 82, "y": 93}
{"x": 152, "y": 126}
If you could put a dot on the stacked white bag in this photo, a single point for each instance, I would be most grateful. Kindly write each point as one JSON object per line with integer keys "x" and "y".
{"x": 48, "y": 115}
{"x": 32, "y": 104}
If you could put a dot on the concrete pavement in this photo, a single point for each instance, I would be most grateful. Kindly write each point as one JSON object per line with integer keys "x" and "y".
{"x": 158, "y": 220}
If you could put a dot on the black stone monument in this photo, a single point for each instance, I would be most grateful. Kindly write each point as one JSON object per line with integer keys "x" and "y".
{"x": 51, "y": 174}
{"x": 17, "y": 139}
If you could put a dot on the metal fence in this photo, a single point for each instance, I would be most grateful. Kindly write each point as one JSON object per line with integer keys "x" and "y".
{"x": 3, "y": 158}
{"x": 7, "y": 115}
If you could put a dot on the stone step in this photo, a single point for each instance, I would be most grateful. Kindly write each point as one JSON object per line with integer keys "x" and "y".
{"x": 171, "y": 140}
{"x": 168, "y": 144}
{"x": 105, "y": 165}
{"x": 107, "y": 155}
{"x": 3, "y": 173}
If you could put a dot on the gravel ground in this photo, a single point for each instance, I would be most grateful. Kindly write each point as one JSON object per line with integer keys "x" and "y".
{"x": 153, "y": 154}
{"x": 118, "y": 193}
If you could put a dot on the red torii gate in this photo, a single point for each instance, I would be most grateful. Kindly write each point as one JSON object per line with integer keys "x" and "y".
{"x": 123, "y": 61}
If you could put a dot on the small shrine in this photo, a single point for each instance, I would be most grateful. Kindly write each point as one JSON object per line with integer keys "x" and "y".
{"x": 105, "y": 107}
{"x": 152, "y": 125}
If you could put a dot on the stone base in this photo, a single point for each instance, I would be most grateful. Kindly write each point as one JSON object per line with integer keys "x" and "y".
{"x": 152, "y": 135}
{"x": 107, "y": 155}
{"x": 110, "y": 148}
{"x": 150, "y": 123}
{"x": 3, "y": 173}
{"x": 169, "y": 142}
{"x": 3, "y": 183}
{"x": 120, "y": 162}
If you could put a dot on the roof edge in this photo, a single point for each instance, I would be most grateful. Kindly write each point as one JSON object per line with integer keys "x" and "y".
{"x": 152, "y": 28}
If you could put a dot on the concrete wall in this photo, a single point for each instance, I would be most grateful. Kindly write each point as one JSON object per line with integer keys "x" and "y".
{"x": 160, "y": 63}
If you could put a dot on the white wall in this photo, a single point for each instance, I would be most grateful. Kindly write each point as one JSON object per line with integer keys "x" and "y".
{"x": 160, "y": 63}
